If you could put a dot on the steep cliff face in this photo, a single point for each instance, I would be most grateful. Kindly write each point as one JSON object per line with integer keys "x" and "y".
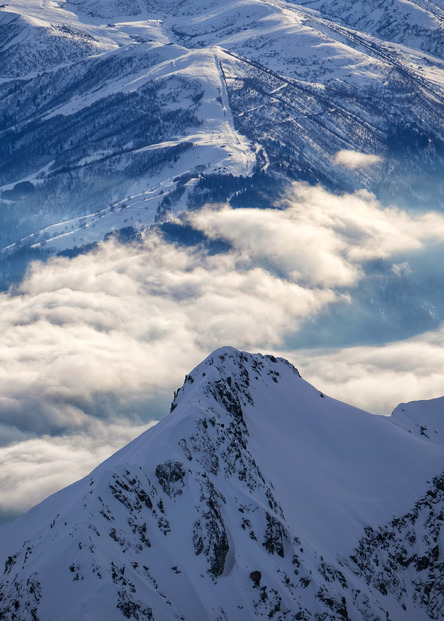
{"x": 256, "y": 497}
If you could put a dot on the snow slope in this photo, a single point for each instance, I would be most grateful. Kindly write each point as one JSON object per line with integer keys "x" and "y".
{"x": 116, "y": 114}
{"x": 257, "y": 497}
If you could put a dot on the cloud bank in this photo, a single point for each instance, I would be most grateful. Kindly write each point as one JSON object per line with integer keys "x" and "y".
{"x": 32, "y": 469}
{"x": 93, "y": 347}
{"x": 378, "y": 378}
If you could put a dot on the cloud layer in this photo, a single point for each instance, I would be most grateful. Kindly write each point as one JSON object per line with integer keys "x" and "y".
{"x": 32, "y": 469}
{"x": 378, "y": 378}
{"x": 321, "y": 240}
{"x": 93, "y": 347}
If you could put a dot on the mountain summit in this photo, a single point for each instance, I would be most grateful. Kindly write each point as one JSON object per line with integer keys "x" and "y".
{"x": 256, "y": 497}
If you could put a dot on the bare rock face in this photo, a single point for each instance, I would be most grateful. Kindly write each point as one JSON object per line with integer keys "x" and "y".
{"x": 249, "y": 500}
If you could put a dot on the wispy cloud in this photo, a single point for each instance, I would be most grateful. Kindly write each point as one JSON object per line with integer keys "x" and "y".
{"x": 354, "y": 160}
{"x": 93, "y": 347}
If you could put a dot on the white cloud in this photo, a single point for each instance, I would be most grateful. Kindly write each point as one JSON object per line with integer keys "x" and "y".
{"x": 320, "y": 239}
{"x": 31, "y": 470}
{"x": 100, "y": 342}
{"x": 378, "y": 378}
{"x": 125, "y": 322}
{"x": 401, "y": 269}
{"x": 354, "y": 160}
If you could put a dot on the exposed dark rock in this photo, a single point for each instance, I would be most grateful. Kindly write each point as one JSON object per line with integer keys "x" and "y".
{"x": 256, "y": 577}
{"x": 171, "y": 477}
{"x": 275, "y": 536}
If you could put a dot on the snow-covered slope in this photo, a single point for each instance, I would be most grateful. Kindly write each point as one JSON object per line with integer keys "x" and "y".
{"x": 114, "y": 114}
{"x": 400, "y": 21}
{"x": 422, "y": 418}
{"x": 257, "y": 497}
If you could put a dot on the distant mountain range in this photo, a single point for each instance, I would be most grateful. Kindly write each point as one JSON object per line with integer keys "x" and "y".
{"x": 257, "y": 497}
{"x": 114, "y": 115}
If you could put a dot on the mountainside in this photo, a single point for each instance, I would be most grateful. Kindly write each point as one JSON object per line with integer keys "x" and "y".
{"x": 256, "y": 497}
{"x": 115, "y": 114}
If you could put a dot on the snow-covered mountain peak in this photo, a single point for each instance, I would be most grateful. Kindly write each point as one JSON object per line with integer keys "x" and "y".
{"x": 236, "y": 373}
{"x": 257, "y": 497}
